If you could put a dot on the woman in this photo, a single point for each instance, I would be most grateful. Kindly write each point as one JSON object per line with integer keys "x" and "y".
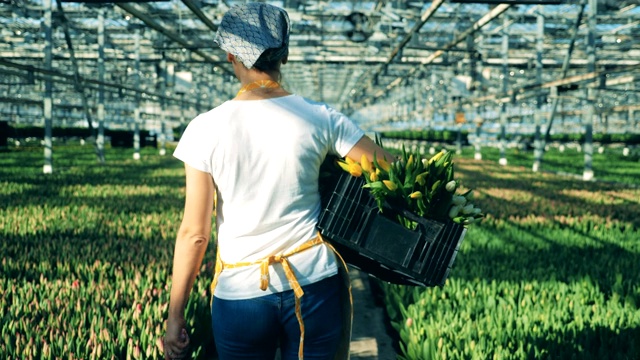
{"x": 276, "y": 282}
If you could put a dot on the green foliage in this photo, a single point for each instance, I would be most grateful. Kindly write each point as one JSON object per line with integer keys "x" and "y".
{"x": 609, "y": 166}
{"x": 86, "y": 255}
{"x": 450, "y": 136}
{"x": 551, "y": 273}
{"x": 430, "y": 135}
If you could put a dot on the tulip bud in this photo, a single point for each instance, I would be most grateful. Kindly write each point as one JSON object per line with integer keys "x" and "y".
{"x": 384, "y": 165}
{"x": 467, "y": 209}
{"x": 390, "y": 185}
{"x": 355, "y": 170}
{"x": 364, "y": 162}
{"x": 451, "y": 186}
{"x": 373, "y": 176}
{"x": 415, "y": 195}
{"x": 455, "y": 209}
{"x": 458, "y": 200}
{"x": 344, "y": 165}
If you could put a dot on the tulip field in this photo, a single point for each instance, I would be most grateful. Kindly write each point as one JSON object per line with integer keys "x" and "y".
{"x": 551, "y": 272}
{"x": 86, "y": 255}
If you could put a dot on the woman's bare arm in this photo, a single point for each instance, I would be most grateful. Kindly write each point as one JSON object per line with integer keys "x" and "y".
{"x": 366, "y": 146}
{"x": 190, "y": 247}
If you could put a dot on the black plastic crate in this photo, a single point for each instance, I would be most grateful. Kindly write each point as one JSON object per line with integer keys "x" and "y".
{"x": 377, "y": 243}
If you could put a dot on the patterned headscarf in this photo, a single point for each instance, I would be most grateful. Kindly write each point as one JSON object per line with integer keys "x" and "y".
{"x": 247, "y": 30}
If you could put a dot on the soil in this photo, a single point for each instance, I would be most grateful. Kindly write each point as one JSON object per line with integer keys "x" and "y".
{"x": 370, "y": 339}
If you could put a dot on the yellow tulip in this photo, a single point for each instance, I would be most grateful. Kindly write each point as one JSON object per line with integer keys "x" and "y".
{"x": 415, "y": 195}
{"x": 355, "y": 169}
{"x": 384, "y": 165}
{"x": 409, "y": 162}
{"x": 421, "y": 178}
{"x": 390, "y": 185}
{"x": 344, "y": 166}
{"x": 437, "y": 156}
{"x": 373, "y": 176}
{"x": 364, "y": 162}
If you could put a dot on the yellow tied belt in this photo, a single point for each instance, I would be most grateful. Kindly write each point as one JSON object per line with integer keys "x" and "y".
{"x": 264, "y": 276}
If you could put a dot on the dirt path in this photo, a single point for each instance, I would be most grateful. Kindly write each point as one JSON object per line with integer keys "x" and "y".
{"x": 369, "y": 340}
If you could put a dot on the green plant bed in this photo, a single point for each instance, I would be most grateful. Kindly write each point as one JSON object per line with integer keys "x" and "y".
{"x": 551, "y": 273}
{"x": 610, "y": 166}
{"x": 86, "y": 255}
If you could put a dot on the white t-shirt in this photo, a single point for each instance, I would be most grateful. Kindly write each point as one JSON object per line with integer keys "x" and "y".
{"x": 264, "y": 157}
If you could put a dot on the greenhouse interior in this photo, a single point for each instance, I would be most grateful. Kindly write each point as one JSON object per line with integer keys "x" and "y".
{"x": 536, "y": 102}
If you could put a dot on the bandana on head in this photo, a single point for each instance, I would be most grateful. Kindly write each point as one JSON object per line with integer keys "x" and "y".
{"x": 247, "y": 30}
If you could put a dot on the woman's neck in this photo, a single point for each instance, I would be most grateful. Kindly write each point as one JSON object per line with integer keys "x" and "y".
{"x": 256, "y": 85}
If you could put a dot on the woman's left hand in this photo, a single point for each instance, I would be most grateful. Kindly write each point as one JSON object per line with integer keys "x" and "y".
{"x": 176, "y": 340}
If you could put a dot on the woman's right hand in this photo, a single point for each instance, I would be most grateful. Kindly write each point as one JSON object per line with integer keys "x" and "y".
{"x": 176, "y": 339}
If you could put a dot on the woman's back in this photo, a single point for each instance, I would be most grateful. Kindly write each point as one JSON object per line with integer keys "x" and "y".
{"x": 265, "y": 157}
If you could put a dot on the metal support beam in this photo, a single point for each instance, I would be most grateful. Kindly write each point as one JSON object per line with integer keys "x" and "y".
{"x": 100, "y": 133}
{"x": 196, "y": 10}
{"x": 48, "y": 89}
{"x": 589, "y": 119}
{"x": 505, "y": 88}
{"x": 78, "y": 82}
{"x": 424, "y": 17}
{"x": 538, "y": 143}
{"x": 50, "y": 74}
{"x": 147, "y": 19}
{"x": 161, "y": 136}
{"x": 565, "y": 67}
{"x": 136, "y": 111}
{"x": 494, "y": 13}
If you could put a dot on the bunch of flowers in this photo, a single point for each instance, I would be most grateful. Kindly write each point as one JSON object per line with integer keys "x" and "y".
{"x": 426, "y": 187}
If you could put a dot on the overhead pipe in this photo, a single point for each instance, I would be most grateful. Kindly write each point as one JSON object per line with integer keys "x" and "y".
{"x": 49, "y": 73}
{"x": 494, "y": 13}
{"x": 426, "y": 15}
{"x": 149, "y": 21}
{"x": 565, "y": 68}
{"x": 196, "y": 10}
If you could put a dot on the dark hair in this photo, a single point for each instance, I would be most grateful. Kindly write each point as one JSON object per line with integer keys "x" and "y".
{"x": 270, "y": 60}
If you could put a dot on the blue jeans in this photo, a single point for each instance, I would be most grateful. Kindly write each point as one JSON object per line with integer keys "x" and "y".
{"x": 254, "y": 328}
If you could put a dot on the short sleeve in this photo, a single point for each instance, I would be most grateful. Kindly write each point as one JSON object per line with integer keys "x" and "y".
{"x": 192, "y": 147}
{"x": 346, "y": 133}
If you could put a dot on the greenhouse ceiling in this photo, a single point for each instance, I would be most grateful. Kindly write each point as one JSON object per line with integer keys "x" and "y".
{"x": 387, "y": 63}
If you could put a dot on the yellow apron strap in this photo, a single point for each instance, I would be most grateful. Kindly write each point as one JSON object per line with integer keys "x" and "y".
{"x": 344, "y": 347}
{"x": 264, "y": 277}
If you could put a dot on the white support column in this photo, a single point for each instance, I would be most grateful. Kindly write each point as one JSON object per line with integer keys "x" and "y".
{"x": 136, "y": 111}
{"x": 163, "y": 86}
{"x": 478, "y": 146}
{"x": 538, "y": 144}
{"x": 505, "y": 88}
{"x": 162, "y": 137}
{"x": 101, "y": 113}
{"x": 48, "y": 89}
{"x": 136, "y": 134}
{"x": 587, "y": 173}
